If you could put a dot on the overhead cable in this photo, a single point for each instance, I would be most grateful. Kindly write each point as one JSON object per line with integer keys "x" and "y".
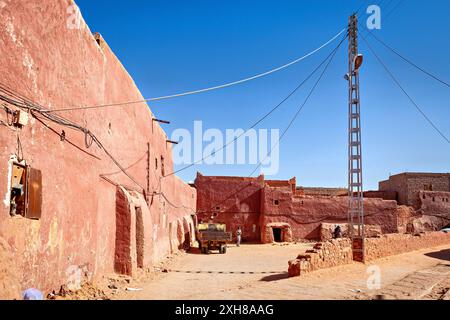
{"x": 405, "y": 92}
{"x": 262, "y": 118}
{"x": 205, "y": 89}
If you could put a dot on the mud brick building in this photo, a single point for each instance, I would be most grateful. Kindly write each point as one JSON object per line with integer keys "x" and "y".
{"x": 269, "y": 210}
{"x": 409, "y": 185}
{"x": 67, "y": 208}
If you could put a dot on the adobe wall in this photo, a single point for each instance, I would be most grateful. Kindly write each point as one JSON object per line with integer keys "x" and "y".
{"x": 235, "y": 201}
{"x": 397, "y": 184}
{"x": 324, "y": 192}
{"x": 385, "y": 195}
{"x": 408, "y": 185}
{"x": 393, "y": 244}
{"x": 338, "y": 252}
{"x": 324, "y": 255}
{"x": 439, "y": 183}
{"x": 59, "y": 67}
{"x": 306, "y": 214}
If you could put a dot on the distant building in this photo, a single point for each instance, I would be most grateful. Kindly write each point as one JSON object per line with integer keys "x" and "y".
{"x": 277, "y": 211}
{"x": 409, "y": 185}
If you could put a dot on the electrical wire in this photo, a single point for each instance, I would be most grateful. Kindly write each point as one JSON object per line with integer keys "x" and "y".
{"x": 329, "y": 59}
{"x": 262, "y": 118}
{"x": 404, "y": 91}
{"x": 34, "y": 108}
{"x": 299, "y": 109}
{"x": 409, "y": 61}
{"x": 205, "y": 89}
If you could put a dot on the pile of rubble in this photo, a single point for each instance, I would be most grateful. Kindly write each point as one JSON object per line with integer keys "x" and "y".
{"x": 87, "y": 291}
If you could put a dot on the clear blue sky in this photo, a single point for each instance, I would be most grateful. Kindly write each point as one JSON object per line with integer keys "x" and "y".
{"x": 174, "y": 46}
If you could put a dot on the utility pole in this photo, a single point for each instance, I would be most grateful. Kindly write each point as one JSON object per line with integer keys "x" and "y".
{"x": 355, "y": 179}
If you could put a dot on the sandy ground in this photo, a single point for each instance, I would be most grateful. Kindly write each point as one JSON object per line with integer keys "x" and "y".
{"x": 259, "y": 272}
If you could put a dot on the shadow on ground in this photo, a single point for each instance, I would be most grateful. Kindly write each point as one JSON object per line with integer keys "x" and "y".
{"x": 275, "y": 277}
{"x": 441, "y": 255}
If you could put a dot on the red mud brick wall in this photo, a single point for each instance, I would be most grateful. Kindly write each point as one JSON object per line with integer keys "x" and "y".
{"x": 435, "y": 203}
{"x": 393, "y": 244}
{"x": 59, "y": 67}
{"x": 235, "y": 201}
{"x": 385, "y": 195}
{"x": 306, "y": 214}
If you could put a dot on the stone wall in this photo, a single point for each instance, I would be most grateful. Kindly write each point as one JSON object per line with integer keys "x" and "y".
{"x": 327, "y": 231}
{"x": 393, "y": 244}
{"x": 408, "y": 186}
{"x": 396, "y": 184}
{"x": 324, "y": 255}
{"x": 339, "y": 251}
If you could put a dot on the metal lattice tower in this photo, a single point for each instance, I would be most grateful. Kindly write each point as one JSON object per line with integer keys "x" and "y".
{"x": 355, "y": 180}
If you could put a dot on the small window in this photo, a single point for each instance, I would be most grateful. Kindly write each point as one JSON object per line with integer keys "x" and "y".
{"x": 163, "y": 172}
{"x": 434, "y": 199}
{"x": 424, "y": 197}
{"x": 217, "y": 208}
{"x": 428, "y": 187}
{"x": 276, "y": 202}
{"x": 156, "y": 163}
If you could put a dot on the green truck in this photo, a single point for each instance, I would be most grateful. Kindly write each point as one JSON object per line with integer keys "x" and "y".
{"x": 213, "y": 236}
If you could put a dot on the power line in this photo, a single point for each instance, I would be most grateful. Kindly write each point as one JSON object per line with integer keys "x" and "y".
{"x": 22, "y": 102}
{"x": 394, "y": 8}
{"x": 404, "y": 91}
{"x": 384, "y": 18}
{"x": 205, "y": 89}
{"x": 330, "y": 59}
{"x": 409, "y": 61}
{"x": 261, "y": 119}
{"x": 300, "y": 108}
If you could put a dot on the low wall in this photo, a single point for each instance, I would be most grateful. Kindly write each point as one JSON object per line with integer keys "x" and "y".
{"x": 327, "y": 230}
{"x": 324, "y": 255}
{"x": 385, "y": 195}
{"x": 339, "y": 251}
{"x": 393, "y": 244}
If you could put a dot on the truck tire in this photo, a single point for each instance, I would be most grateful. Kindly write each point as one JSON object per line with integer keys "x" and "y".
{"x": 224, "y": 249}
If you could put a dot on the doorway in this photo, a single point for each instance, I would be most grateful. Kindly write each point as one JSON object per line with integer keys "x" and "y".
{"x": 277, "y": 234}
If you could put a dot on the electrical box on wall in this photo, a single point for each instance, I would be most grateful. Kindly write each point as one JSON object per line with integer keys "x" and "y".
{"x": 26, "y": 192}
{"x": 20, "y": 118}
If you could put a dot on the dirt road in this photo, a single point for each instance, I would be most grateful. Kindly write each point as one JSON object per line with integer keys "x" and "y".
{"x": 259, "y": 272}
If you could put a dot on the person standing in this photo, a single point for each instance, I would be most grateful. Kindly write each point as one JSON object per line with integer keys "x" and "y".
{"x": 239, "y": 236}
{"x": 337, "y": 232}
